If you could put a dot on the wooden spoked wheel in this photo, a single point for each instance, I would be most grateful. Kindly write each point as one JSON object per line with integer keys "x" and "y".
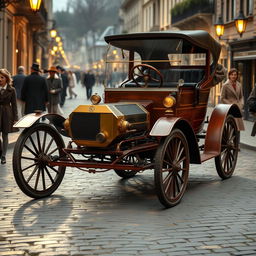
{"x": 226, "y": 162}
{"x": 172, "y": 168}
{"x": 35, "y": 148}
{"x": 126, "y": 174}
{"x": 147, "y": 73}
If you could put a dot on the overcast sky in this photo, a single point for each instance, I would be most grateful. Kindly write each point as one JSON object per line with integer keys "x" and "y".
{"x": 59, "y": 5}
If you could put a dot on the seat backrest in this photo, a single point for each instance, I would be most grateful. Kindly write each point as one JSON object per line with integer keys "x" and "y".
{"x": 188, "y": 75}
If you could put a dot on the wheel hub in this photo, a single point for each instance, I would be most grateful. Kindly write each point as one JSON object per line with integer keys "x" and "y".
{"x": 43, "y": 159}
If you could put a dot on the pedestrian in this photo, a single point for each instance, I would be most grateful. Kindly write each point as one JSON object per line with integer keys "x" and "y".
{"x": 54, "y": 85}
{"x": 18, "y": 81}
{"x": 45, "y": 73}
{"x": 8, "y": 110}
{"x": 34, "y": 91}
{"x": 231, "y": 91}
{"x": 72, "y": 84}
{"x": 251, "y": 101}
{"x": 89, "y": 81}
{"x": 65, "y": 83}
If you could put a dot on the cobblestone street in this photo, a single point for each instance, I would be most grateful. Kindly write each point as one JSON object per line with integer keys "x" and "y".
{"x": 101, "y": 214}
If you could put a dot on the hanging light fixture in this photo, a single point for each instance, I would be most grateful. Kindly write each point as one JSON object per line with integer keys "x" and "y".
{"x": 219, "y": 27}
{"x": 35, "y": 5}
{"x": 241, "y": 21}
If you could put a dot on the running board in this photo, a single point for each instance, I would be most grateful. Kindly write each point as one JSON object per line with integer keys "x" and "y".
{"x": 206, "y": 156}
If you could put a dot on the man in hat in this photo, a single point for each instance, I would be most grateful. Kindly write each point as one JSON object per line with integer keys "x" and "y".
{"x": 54, "y": 85}
{"x": 34, "y": 91}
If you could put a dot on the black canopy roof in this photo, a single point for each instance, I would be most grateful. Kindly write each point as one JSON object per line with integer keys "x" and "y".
{"x": 199, "y": 38}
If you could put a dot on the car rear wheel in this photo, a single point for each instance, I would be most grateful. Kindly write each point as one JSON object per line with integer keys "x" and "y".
{"x": 126, "y": 174}
{"x": 172, "y": 168}
{"x": 226, "y": 162}
{"x": 35, "y": 148}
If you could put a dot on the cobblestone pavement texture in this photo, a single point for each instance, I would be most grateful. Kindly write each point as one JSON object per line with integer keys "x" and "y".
{"x": 101, "y": 214}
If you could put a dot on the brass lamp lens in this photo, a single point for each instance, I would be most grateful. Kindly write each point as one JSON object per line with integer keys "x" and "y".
{"x": 169, "y": 101}
{"x": 95, "y": 99}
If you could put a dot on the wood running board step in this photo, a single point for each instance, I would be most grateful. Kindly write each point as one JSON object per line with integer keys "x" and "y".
{"x": 206, "y": 156}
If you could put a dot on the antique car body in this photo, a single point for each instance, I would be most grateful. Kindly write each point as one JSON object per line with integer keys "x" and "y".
{"x": 152, "y": 119}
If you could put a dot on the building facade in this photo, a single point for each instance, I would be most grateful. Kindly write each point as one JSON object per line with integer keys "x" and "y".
{"x": 24, "y": 35}
{"x": 132, "y": 15}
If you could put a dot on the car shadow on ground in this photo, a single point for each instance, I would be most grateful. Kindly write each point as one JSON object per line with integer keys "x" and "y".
{"x": 46, "y": 213}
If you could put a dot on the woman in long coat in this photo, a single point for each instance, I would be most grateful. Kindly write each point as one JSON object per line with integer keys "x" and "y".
{"x": 232, "y": 93}
{"x": 54, "y": 85}
{"x": 8, "y": 109}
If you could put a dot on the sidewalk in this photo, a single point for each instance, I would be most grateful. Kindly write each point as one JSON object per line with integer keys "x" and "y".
{"x": 246, "y": 140}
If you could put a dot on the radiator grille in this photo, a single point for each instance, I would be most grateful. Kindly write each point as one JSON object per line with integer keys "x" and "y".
{"x": 85, "y": 126}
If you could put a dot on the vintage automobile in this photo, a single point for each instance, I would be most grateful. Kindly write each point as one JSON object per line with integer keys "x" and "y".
{"x": 152, "y": 118}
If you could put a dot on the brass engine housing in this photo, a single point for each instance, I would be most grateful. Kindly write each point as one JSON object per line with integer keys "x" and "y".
{"x": 99, "y": 125}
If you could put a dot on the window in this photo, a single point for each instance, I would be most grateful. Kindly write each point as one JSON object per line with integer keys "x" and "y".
{"x": 233, "y": 9}
{"x": 249, "y": 7}
{"x": 227, "y": 11}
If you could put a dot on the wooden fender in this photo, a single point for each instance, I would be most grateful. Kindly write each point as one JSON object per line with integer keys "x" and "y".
{"x": 215, "y": 128}
{"x": 29, "y": 119}
{"x": 163, "y": 127}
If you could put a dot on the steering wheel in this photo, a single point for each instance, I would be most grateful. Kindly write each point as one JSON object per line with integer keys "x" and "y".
{"x": 145, "y": 71}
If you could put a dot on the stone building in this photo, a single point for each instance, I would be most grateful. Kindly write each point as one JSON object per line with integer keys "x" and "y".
{"x": 25, "y": 35}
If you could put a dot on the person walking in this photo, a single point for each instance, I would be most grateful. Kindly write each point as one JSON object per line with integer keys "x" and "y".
{"x": 231, "y": 91}
{"x": 34, "y": 91}
{"x": 89, "y": 81}
{"x": 8, "y": 109}
{"x": 251, "y": 101}
{"x": 54, "y": 85}
{"x": 65, "y": 82}
{"x": 72, "y": 84}
{"x": 18, "y": 81}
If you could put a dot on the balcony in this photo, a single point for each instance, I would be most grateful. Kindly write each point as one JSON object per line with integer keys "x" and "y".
{"x": 190, "y": 12}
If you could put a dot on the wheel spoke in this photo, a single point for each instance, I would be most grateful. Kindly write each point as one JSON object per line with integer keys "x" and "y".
{"x": 54, "y": 150}
{"x": 181, "y": 160}
{"x": 28, "y": 167}
{"x": 168, "y": 163}
{"x": 54, "y": 169}
{"x": 38, "y": 141}
{"x": 154, "y": 79}
{"x": 44, "y": 141}
{"x": 49, "y": 145}
{"x": 32, "y": 174}
{"x": 49, "y": 175}
{"x": 167, "y": 181}
{"x": 29, "y": 158}
{"x": 43, "y": 179}
{"x": 180, "y": 178}
{"x": 177, "y": 183}
{"x": 178, "y": 143}
{"x": 179, "y": 154}
{"x": 37, "y": 178}
{"x": 173, "y": 186}
{"x": 33, "y": 144}
{"x": 30, "y": 150}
